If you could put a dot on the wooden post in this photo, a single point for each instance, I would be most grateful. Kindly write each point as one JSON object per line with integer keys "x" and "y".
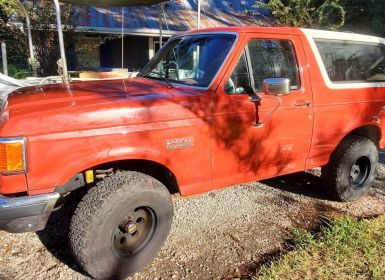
{"x": 151, "y": 50}
{"x": 4, "y": 58}
{"x": 122, "y": 37}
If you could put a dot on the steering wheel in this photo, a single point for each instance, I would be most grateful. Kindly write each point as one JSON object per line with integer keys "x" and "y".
{"x": 230, "y": 86}
{"x": 176, "y": 68}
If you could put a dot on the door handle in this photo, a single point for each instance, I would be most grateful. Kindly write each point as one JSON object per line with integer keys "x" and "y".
{"x": 302, "y": 103}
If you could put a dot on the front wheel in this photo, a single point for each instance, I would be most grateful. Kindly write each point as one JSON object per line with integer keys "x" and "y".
{"x": 352, "y": 169}
{"x": 120, "y": 225}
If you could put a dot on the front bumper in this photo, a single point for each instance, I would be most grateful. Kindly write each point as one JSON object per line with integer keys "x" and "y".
{"x": 26, "y": 213}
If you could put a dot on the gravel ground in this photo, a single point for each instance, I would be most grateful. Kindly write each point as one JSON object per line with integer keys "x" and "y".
{"x": 214, "y": 235}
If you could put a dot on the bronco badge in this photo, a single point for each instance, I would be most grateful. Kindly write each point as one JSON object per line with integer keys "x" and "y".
{"x": 179, "y": 143}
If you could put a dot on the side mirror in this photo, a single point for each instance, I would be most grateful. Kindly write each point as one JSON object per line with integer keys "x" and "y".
{"x": 276, "y": 86}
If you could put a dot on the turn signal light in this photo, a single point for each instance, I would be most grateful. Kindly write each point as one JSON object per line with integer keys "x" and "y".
{"x": 12, "y": 155}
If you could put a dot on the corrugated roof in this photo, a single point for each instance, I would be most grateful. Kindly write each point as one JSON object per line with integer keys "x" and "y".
{"x": 107, "y": 3}
{"x": 179, "y": 15}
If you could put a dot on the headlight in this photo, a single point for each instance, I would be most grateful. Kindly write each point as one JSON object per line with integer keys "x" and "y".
{"x": 12, "y": 155}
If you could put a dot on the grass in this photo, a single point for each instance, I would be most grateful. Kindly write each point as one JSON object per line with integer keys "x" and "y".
{"x": 343, "y": 249}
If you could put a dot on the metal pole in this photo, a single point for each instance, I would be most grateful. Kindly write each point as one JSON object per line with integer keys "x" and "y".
{"x": 199, "y": 14}
{"x": 61, "y": 42}
{"x": 4, "y": 58}
{"x": 122, "y": 37}
{"x": 161, "y": 25}
{"x": 30, "y": 44}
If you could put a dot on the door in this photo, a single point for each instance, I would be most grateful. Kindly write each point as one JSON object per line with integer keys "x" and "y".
{"x": 255, "y": 135}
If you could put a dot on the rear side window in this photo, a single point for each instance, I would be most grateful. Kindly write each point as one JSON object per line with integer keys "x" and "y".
{"x": 351, "y": 61}
{"x": 273, "y": 59}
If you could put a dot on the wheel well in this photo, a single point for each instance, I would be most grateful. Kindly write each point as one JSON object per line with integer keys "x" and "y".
{"x": 151, "y": 168}
{"x": 371, "y": 132}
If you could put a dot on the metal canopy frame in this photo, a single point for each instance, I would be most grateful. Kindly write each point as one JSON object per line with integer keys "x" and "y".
{"x": 119, "y": 3}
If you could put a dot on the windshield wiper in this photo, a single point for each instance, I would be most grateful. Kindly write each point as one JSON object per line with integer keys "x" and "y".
{"x": 162, "y": 77}
{"x": 170, "y": 85}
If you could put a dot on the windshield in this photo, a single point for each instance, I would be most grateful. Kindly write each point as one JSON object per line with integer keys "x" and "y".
{"x": 190, "y": 60}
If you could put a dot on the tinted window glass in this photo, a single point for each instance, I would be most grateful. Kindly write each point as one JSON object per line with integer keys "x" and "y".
{"x": 239, "y": 81}
{"x": 352, "y": 61}
{"x": 191, "y": 60}
{"x": 273, "y": 59}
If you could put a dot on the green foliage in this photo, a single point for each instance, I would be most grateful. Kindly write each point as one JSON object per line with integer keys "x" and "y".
{"x": 365, "y": 16}
{"x": 301, "y": 239}
{"x": 361, "y": 16}
{"x": 16, "y": 72}
{"x": 8, "y": 8}
{"x": 327, "y": 14}
{"x": 344, "y": 249}
{"x": 377, "y": 10}
{"x": 12, "y": 35}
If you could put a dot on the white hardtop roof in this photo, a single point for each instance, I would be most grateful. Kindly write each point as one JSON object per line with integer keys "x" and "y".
{"x": 323, "y": 34}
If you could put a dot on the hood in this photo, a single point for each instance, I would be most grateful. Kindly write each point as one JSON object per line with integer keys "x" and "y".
{"x": 60, "y": 96}
{"x": 83, "y": 105}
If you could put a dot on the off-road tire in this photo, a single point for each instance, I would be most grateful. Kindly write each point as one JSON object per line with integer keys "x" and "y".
{"x": 98, "y": 215}
{"x": 337, "y": 174}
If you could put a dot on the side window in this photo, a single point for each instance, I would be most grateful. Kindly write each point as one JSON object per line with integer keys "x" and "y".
{"x": 377, "y": 70}
{"x": 352, "y": 61}
{"x": 273, "y": 59}
{"x": 239, "y": 81}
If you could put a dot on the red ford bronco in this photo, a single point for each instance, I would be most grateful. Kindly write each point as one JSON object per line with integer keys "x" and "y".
{"x": 213, "y": 108}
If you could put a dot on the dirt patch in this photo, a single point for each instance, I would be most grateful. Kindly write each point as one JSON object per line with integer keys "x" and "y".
{"x": 223, "y": 234}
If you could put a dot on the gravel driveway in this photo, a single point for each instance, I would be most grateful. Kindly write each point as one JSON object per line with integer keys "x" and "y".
{"x": 213, "y": 235}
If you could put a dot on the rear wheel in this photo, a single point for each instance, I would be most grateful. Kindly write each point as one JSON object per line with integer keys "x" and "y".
{"x": 121, "y": 224}
{"x": 351, "y": 169}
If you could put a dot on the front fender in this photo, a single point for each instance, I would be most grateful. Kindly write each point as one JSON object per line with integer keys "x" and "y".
{"x": 53, "y": 162}
{"x": 54, "y": 159}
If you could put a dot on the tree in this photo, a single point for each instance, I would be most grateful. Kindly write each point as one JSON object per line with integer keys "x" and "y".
{"x": 44, "y": 33}
{"x": 7, "y": 9}
{"x": 327, "y": 14}
{"x": 13, "y": 36}
{"x": 378, "y": 20}
{"x": 45, "y": 36}
{"x": 365, "y": 16}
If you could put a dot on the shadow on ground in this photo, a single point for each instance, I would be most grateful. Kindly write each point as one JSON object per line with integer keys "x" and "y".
{"x": 55, "y": 236}
{"x": 301, "y": 183}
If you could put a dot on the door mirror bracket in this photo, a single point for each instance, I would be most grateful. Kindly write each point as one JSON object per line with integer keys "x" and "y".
{"x": 255, "y": 98}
